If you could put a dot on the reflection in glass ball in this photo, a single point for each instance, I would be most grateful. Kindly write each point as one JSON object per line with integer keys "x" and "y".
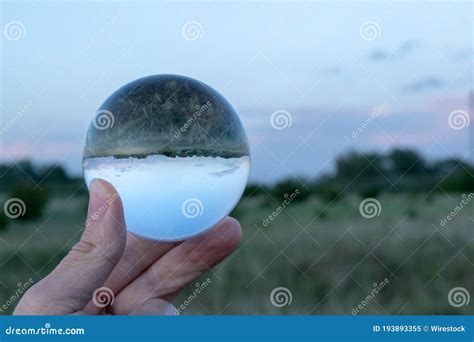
{"x": 176, "y": 152}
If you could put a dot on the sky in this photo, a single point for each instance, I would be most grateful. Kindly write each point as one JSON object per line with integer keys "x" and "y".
{"x": 310, "y": 80}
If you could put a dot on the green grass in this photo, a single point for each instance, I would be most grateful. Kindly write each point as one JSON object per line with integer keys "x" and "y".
{"x": 327, "y": 255}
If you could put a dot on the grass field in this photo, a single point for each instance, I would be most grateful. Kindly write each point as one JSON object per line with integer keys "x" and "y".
{"x": 327, "y": 255}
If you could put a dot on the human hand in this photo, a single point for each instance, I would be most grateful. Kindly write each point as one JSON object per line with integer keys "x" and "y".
{"x": 143, "y": 275}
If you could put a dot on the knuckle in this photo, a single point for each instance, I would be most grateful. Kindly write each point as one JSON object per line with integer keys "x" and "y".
{"x": 84, "y": 250}
{"x": 199, "y": 262}
{"x": 84, "y": 247}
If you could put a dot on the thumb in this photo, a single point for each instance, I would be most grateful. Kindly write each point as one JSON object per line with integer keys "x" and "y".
{"x": 86, "y": 267}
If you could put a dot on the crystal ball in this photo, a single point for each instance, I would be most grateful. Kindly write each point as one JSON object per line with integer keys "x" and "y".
{"x": 176, "y": 152}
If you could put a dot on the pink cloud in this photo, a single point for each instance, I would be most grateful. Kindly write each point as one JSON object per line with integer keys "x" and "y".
{"x": 44, "y": 150}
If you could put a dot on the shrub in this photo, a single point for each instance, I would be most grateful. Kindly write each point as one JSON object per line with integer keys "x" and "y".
{"x": 370, "y": 192}
{"x": 254, "y": 190}
{"x": 321, "y": 213}
{"x": 330, "y": 193}
{"x": 34, "y": 199}
{"x": 284, "y": 188}
{"x": 412, "y": 212}
{"x": 237, "y": 212}
{"x": 460, "y": 180}
{"x": 3, "y": 221}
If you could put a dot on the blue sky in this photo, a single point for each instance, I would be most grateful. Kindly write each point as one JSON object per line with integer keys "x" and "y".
{"x": 313, "y": 60}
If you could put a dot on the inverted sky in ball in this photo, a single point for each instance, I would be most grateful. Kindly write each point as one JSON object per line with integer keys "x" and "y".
{"x": 176, "y": 152}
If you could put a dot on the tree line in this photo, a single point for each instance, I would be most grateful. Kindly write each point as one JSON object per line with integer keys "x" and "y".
{"x": 367, "y": 174}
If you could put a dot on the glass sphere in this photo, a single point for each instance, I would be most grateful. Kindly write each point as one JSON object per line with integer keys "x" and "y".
{"x": 176, "y": 152}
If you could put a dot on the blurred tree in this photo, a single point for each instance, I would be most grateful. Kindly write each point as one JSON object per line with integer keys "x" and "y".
{"x": 447, "y": 166}
{"x": 54, "y": 174}
{"x": 17, "y": 172}
{"x": 403, "y": 161}
{"x": 254, "y": 190}
{"x": 355, "y": 165}
{"x": 284, "y": 188}
{"x": 370, "y": 192}
{"x": 35, "y": 200}
{"x": 329, "y": 192}
{"x": 461, "y": 179}
{"x": 3, "y": 221}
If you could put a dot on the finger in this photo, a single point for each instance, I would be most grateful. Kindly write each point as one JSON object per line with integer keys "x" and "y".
{"x": 91, "y": 260}
{"x": 138, "y": 255}
{"x": 180, "y": 266}
{"x": 155, "y": 307}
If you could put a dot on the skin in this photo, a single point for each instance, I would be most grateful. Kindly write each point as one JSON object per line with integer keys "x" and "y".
{"x": 144, "y": 275}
